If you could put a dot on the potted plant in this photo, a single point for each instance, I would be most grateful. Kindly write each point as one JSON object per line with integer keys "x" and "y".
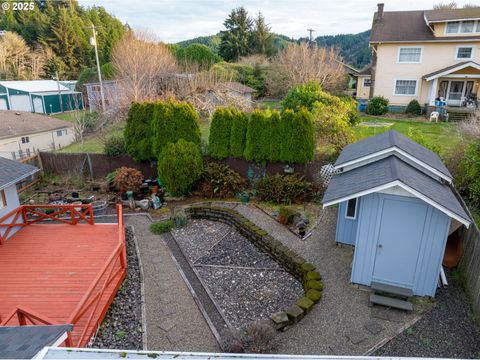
{"x": 127, "y": 179}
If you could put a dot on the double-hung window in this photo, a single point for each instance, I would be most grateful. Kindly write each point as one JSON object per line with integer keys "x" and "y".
{"x": 453, "y": 27}
{"x": 367, "y": 82}
{"x": 3, "y": 199}
{"x": 405, "y": 87}
{"x": 464, "y": 53}
{"x": 410, "y": 55}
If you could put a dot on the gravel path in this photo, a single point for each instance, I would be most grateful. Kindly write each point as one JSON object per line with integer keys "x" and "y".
{"x": 174, "y": 322}
{"x": 122, "y": 326}
{"x": 338, "y": 324}
{"x": 244, "y": 282}
{"x": 448, "y": 330}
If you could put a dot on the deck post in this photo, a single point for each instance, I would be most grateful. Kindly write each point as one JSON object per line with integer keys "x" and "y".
{"x": 90, "y": 211}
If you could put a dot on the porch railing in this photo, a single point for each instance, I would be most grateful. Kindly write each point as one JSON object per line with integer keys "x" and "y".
{"x": 29, "y": 214}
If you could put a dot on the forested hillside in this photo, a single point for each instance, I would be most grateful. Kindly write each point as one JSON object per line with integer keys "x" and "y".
{"x": 56, "y": 38}
{"x": 353, "y": 47}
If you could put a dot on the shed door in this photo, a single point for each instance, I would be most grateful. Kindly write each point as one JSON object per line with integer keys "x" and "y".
{"x": 3, "y": 104}
{"x": 401, "y": 229}
{"x": 38, "y": 105}
{"x": 20, "y": 102}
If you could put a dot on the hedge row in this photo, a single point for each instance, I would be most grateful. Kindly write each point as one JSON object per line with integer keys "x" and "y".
{"x": 151, "y": 126}
{"x": 262, "y": 136}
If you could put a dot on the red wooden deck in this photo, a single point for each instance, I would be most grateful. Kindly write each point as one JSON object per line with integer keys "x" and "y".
{"x": 62, "y": 274}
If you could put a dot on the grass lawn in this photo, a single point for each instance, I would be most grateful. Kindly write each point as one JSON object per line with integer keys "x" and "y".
{"x": 446, "y": 135}
{"x": 67, "y": 116}
{"x": 93, "y": 143}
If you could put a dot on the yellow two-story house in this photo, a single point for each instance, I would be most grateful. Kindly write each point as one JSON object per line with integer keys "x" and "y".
{"x": 423, "y": 55}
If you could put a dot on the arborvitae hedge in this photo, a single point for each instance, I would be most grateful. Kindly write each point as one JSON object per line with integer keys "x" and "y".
{"x": 220, "y": 129}
{"x": 302, "y": 138}
{"x": 277, "y": 137}
{"x": 173, "y": 121}
{"x": 138, "y": 134}
{"x": 238, "y": 134}
{"x": 258, "y": 137}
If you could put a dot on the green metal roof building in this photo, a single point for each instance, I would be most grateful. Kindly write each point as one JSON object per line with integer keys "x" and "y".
{"x": 39, "y": 96}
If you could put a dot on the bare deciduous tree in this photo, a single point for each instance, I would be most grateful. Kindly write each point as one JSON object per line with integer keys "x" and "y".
{"x": 301, "y": 63}
{"x": 139, "y": 61}
{"x": 446, "y": 5}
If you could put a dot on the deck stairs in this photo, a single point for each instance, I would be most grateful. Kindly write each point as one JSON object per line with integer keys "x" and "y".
{"x": 391, "y": 296}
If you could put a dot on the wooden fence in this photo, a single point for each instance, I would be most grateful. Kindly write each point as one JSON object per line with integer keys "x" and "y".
{"x": 95, "y": 166}
{"x": 470, "y": 265}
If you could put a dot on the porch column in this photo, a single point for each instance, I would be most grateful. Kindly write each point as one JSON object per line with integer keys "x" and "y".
{"x": 432, "y": 91}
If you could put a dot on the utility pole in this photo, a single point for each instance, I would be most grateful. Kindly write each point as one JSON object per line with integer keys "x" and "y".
{"x": 311, "y": 31}
{"x": 59, "y": 91}
{"x": 93, "y": 41}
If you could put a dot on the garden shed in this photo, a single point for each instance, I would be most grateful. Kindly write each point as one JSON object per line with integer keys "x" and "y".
{"x": 39, "y": 96}
{"x": 397, "y": 206}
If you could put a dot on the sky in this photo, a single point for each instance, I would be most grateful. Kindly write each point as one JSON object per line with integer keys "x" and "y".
{"x": 176, "y": 20}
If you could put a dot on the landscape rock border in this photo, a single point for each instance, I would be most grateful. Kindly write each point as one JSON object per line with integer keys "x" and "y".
{"x": 293, "y": 263}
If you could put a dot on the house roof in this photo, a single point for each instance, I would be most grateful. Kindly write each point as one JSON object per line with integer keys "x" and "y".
{"x": 390, "y": 172}
{"x": 18, "y": 123}
{"x": 24, "y": 342}
{"x": 450, "y": 69}
{"x": 34, "y": 85}
{"x": 367, "y": 70}
{"x": 405, "y": 26}
{"x": 12, "y": 172}
{"x": 238, "y": 87}
{"x": 396, "y": 142}
{"x": 442, "y": 15}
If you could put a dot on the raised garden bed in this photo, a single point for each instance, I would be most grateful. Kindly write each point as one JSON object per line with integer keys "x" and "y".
{"x": 280, "y": 255}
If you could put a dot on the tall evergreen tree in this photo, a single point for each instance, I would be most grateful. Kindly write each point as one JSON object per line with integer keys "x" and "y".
{"x": 261, "y": 37}
{"x": 235, "y": 40}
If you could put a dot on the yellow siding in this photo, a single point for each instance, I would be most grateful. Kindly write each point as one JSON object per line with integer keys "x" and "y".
{"x": 363, "y": 92}
{"x": 435, "y": 56}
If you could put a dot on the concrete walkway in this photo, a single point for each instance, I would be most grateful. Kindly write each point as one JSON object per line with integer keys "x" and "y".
{"x": 342, "y": 323}
{"x": 174, "y": 322}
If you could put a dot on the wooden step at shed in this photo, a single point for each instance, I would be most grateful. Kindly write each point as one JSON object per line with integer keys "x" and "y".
{"x": 390, "y": 289}
{"x": 391, "y": 302}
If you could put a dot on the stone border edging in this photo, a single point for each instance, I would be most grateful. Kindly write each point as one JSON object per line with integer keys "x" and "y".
{"x": 293, "y": 263}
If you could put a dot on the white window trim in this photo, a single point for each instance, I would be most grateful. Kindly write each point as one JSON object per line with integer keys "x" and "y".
{"x": 3, "y": 199}
{"x": 476, "y": 25}
{"x": 346, "y": 210}
{"x": 472, "y": 56}
{"x": 409, "y": 47}
{"x": 405, "y": 95}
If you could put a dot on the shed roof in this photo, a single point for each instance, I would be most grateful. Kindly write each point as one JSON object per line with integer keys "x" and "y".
{"x": 34, "y": 85}
{"x": 389, "y": 172}
{"x": 24, "y": 342}
{"x": 395, "y": 141}
{"x": 12, "y": 172}
{"x": 18, "y": 123}
{"x": 405, "y": 26}
{"x": 238, "y": 87}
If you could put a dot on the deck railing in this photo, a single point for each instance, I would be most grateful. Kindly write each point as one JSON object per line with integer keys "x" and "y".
{"x": 29, "y": 214}
{"x": 87, "y": 308}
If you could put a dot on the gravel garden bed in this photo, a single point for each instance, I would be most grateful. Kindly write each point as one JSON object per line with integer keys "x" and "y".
{"x": 244, "y": 282}
{"x": 446, "y": 331}
{"x": 122, "y": 326}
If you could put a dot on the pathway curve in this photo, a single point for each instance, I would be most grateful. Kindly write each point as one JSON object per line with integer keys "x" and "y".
{"x": 173, "y": 319}
{"x": 342, "y": 323}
